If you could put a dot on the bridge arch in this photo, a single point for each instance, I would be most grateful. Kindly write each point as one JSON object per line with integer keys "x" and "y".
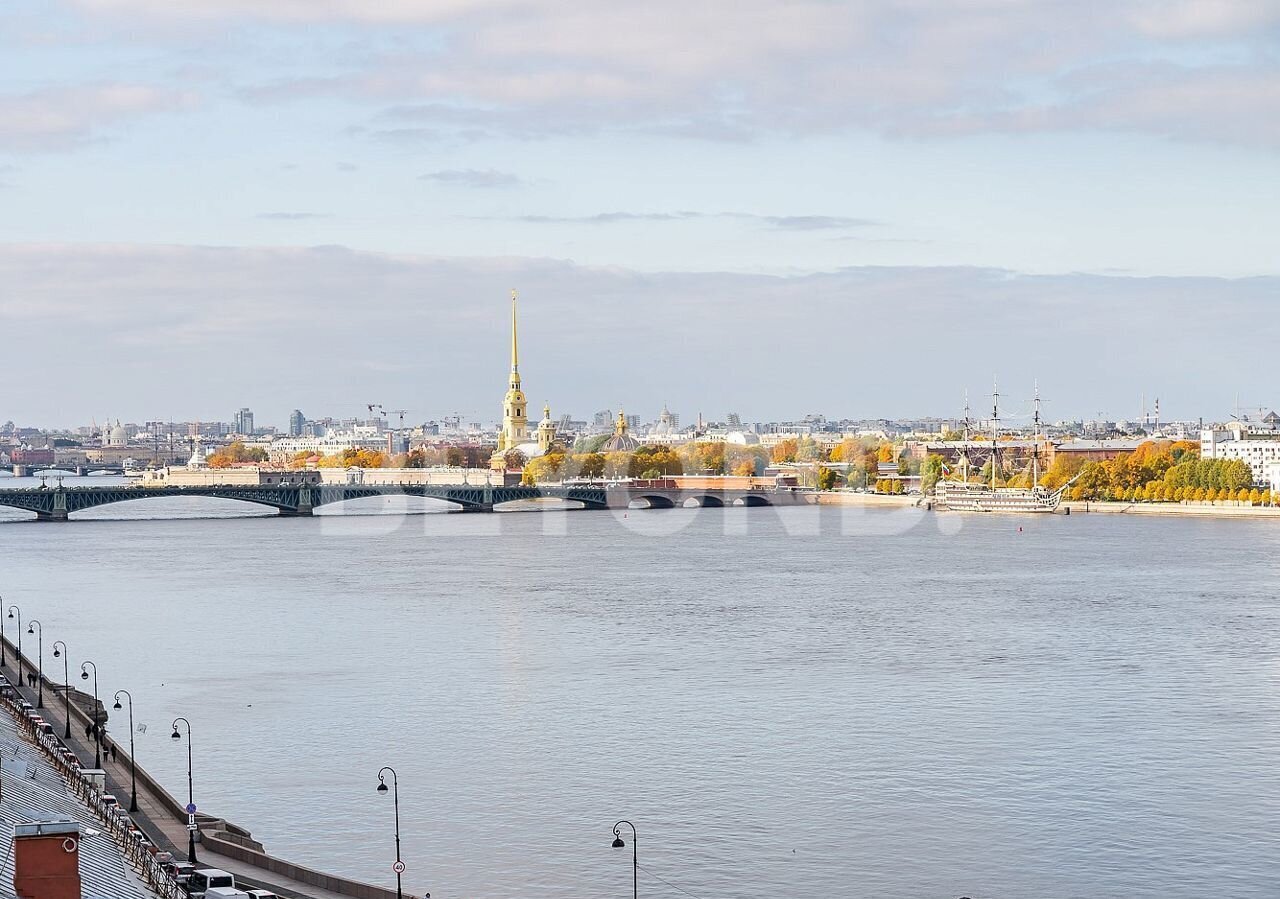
{"x": 752, "y": 499}
{"x": 703, "y": 501}
{"x": 651, "y": 501}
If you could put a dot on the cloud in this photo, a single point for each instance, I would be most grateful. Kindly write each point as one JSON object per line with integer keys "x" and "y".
{"x": 293, "y": 216}
{"x": 593, "y": 337}
{"x": 62, "y": 118}
{"x": 475, "y": 178}
{"x": 928, "y": 68}
{"x": 777, "y": 222}
{"x": 814, "y": 222}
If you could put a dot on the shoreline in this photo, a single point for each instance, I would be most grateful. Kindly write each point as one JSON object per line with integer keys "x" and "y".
{"x": 1077, "y": 507}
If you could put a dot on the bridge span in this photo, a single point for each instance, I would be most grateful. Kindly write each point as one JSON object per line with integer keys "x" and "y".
{"x": 60, "y": 502}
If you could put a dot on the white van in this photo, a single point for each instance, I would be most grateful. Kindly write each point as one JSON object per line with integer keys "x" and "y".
{"x": 204, "y": 880}
{"x": 225, "y": 893}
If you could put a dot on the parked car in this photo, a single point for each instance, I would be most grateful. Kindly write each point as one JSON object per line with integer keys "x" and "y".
{"x": 202, "y": 880}
{"x": 179, "y": 871}
{"x": 261, "y": 894}
{"x": 225, "y": 893}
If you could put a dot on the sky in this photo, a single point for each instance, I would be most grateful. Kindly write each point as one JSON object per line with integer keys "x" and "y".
{"x": 771, "y": 207}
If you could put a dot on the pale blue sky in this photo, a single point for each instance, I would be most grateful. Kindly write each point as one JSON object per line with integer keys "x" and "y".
{"x": 758, "y": 137}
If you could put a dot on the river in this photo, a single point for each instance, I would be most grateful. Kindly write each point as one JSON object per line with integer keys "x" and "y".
{"x": 793, "y": 702}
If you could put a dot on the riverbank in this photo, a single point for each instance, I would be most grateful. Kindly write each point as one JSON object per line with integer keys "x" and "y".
{"x": 1203, "y": 509}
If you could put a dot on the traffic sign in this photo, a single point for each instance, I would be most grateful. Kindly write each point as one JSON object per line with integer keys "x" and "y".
{"x": 192, "y": 827}
{"x": 398, "y": 867}
{"x": 191, "y": 808}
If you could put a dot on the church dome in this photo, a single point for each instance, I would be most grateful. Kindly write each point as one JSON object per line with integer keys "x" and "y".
{"x": 118, "y": 437}
{"x": 621, "y": 441}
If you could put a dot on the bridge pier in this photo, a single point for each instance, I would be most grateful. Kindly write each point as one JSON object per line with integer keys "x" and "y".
{"x": 21, "y": 471}
{"x": 300, "y": 512}
{"x": 81, "y": 471}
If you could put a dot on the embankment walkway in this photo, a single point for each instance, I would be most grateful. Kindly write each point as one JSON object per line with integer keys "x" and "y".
{"x": 163, "y": 818}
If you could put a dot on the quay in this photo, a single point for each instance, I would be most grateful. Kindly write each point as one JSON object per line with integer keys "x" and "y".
{"x": 162, "y": 817}
{"x": 58, "y": 503}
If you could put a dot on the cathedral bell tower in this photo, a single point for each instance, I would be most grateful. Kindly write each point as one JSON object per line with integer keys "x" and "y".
{"x": 515, "y": 414}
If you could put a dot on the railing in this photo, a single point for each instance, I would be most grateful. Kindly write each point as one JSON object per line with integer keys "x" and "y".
{"x": 130, "y": 840}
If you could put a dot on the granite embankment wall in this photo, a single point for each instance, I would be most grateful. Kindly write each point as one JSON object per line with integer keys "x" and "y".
{"x": 219, "y": 835}
{"x": 1228, "y": 509}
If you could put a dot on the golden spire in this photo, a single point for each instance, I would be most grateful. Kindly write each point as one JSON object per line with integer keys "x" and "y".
{"x": 515, "y": 353}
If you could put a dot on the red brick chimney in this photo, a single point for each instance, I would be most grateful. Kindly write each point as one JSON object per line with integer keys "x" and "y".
{"x": 46, "y": 860}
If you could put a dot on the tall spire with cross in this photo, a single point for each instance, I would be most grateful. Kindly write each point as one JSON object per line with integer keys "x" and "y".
{"x": 515, "y": 416}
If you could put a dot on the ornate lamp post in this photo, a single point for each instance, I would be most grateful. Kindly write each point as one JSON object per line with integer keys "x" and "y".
{"x": 191, "y": 796}
{"x": 66, "y": 680}
{"x": 3, "y": 663}
{"x": 382, "y": 788}
{"x": 12, "y": 611}
{"x": 619, "y": 843}
{"x": 133, "y": 764}
{"x": 32, "y": 626}
{"x": 97, "y": 736}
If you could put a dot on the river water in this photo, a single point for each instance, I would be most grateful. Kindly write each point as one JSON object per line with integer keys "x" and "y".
{"x": 789, "y": 702}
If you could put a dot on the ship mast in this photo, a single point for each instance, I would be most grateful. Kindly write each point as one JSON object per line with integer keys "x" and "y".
{"x": 1035, "y": 443}
{"x": 995, "y": 431}
{"x": 964, "y": 448}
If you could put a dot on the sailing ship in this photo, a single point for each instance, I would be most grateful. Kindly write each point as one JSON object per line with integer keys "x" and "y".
{"x": 982, "y": 496}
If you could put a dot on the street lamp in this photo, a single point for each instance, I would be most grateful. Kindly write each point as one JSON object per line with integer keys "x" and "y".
{"x": 12, "y": 610}
{"x": 382, "y": 788}
{"x": 97, "y": 738}
{"x": 3, "y": 663}
{"x": 619, "y": 843}
{"x": 31, "y": 629}
{"x": 133, "y": 764}
{"x": 191, "y": 796}
{"x": 66, "y": 679}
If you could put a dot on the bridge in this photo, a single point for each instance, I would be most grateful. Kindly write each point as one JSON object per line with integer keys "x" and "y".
{"x": 58, "y": 503}
{"x": 80, "y": 469}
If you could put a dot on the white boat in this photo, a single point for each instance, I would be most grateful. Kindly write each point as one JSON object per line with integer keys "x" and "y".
{"x": 962, "y": 496}
{"x": 982, "y": 496}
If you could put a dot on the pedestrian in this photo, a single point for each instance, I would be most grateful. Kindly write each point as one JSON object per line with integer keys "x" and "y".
{"x": 88, "y": 730}
{"x": 113, "y": 752}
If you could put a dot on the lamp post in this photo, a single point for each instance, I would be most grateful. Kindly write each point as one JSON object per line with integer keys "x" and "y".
{"x": 97, "y": 738}
{"x": 395, "y": 792}
{"x": 3, "y": 663}
{"x": 32, "y": 629}
{"x": 12, "y": 610}
{"x": 66, "y": 679}
{"x": 619, "y": 843}
{"x": 133, "y": 765}
{"x": 191, "y": 796}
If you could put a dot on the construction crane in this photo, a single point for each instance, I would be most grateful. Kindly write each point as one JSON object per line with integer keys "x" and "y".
{"x": 401, "y": 413}
{"x": 372, "y": 406}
